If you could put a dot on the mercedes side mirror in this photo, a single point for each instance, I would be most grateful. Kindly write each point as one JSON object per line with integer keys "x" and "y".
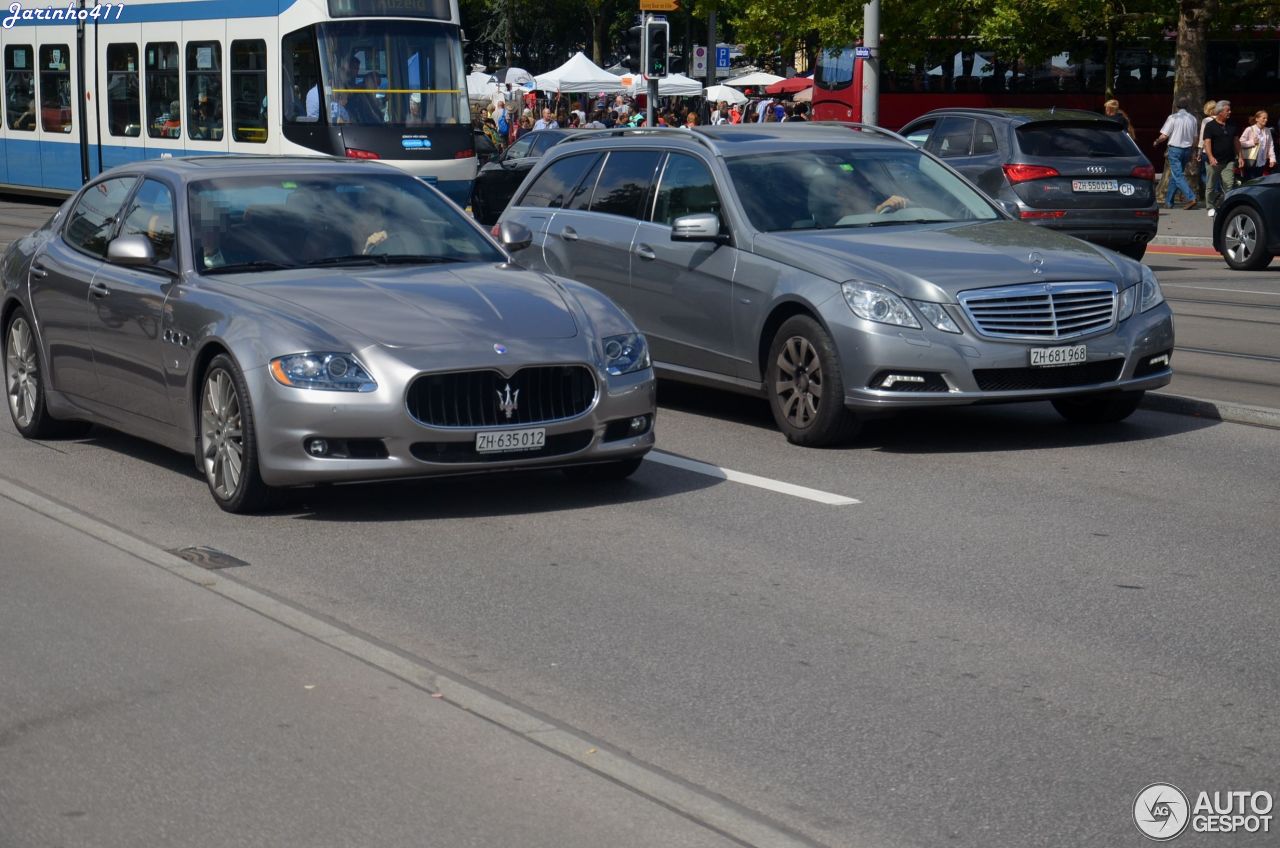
{"x": 704, "y": 226}
{"x": 514, "y": 237}
{"x": 131, "y": 250}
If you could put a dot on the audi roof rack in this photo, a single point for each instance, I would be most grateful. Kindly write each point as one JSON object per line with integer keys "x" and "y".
{"x": 583, "y": 135}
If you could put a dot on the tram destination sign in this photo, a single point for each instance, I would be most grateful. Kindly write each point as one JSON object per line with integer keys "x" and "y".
{"x": 437, "y": 9}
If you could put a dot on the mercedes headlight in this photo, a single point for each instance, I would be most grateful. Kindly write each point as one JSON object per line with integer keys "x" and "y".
{"x": 875, "y": 304}
{"x": 936, "y": 314}
{"x": 626, "y": 353}
{"x": 1151, "y": 294}
{"x": 331, "y": 372}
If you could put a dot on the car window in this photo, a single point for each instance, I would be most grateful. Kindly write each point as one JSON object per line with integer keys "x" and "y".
{"x": 520, "y": 148}
{"x": 1087, "y": 138}
{"x": 551, "y": 187}
{"x": 326, "y": 220}
{"x": 91, "y": 221}
{"x": 151, "y": 216}
{"x": 581, "y": 198}
{"x": 544, "y": 142}
{"x": 952, "y": 137}
{"x": 624, "y": 182}
{"x": 919, "y": 134}
{"x": 685, "y": 188}
{"x": 984, "y": 139}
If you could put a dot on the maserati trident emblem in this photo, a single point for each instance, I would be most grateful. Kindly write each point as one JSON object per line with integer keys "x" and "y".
{"x": 509, "y": 402}
{"x": 1037, "y": 262}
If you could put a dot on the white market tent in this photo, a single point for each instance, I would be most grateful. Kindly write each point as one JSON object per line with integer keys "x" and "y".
{"x": 755, "y": 80}
{"x": 480, "y": 86}
{"x": 579, "y": 74}
{"x": 716, "y": 93}
{"x": 672, "y": 85}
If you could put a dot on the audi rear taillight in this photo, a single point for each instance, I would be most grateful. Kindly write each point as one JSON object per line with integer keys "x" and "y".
{"x": 1023, "y": 173}
{"x": 1143, "y": 172}
{"x": 356, "y": 153}
{"x": 1042, "y": 213}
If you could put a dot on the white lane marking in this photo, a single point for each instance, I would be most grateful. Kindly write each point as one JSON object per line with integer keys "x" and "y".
{"x": 1212, "y": 289}
{"x": 748, "y": 479}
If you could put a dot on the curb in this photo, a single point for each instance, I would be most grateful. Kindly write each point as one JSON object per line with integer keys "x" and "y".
{"x": 1183, "y": 241}
{"x": 1213, "y": 410}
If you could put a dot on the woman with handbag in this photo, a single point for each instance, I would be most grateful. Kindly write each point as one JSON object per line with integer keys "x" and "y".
{"x": 1258, "y": 147}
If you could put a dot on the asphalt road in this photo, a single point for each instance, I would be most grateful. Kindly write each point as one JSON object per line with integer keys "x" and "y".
{"x": 1016, "y": 626}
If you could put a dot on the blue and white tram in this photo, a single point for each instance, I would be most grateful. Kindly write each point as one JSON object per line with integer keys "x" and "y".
{"x": 88, "y": 87}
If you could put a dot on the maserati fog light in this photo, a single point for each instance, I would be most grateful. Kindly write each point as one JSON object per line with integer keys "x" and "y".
{"x": 317, "y": 447}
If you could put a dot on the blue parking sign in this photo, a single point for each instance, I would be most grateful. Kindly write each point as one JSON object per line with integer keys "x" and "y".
{"x": 722, "y": 57}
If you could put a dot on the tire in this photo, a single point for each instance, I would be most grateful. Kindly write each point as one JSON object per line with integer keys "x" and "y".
{"x": 24, "y": 384}
{"x": 1105, "y": 408}
{"x": 226, "y": 441}
{"x": 805, "y": 386}
{"x": 604, "y": 472}
{"x": 1133, "y": 251}
{"x": 1244, "y": 240}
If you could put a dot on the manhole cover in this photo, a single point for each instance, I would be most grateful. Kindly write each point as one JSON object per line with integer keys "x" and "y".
{"x": 210, "y": 558}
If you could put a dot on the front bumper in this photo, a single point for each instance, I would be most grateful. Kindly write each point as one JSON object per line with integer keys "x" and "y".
{"x": 286, "y": 418}
{"x": 868, "y": 351}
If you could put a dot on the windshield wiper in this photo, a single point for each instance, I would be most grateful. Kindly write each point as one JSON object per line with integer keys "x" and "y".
{"x": 895, "y": 222}
{"x": 383, "y": 259}
{"x": 255, "y": 265}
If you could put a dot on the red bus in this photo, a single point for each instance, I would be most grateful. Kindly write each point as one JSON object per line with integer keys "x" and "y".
{"x": 1246, "y": 72}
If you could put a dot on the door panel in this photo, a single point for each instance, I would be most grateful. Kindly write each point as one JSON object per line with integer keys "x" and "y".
{"x": 126, "y": 313}
{"x": 60, "y": 278}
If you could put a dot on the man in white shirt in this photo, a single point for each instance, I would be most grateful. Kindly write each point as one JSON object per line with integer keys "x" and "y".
{"x": 1179, "y": 130}
{"x": 547, "y": 121}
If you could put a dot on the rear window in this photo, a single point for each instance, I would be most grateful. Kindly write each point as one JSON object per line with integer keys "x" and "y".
{"x": 1064, "y": 139}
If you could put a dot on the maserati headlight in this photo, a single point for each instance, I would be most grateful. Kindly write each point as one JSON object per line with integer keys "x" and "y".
{"x": 875, "y": 304}
{"x": 1151, "y": 294}
{"x": 626, "y": 353}
{"x": 331, "y": 372}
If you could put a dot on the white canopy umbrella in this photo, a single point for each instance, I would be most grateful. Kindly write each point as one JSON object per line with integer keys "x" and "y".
{"x": 716, "y": 93}
{"x": 758, "y": 79}
{"x": 511, "y": 76}
{"x": 579, "y": 74}
{"x": 672, "y": 85}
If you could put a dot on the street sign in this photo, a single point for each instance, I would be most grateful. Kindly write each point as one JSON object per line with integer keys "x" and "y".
{"x": 699, "y": 62}
{"x": 858, "y": 52}
{"x": 722, "y": 57}
{"x": 659, "y": 5}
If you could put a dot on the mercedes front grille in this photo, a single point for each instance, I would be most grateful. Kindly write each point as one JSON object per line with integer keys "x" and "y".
{"x": 1041, "y": 311}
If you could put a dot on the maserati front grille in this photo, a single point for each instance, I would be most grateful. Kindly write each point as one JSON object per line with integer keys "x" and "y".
{"x": 534, "y": 395}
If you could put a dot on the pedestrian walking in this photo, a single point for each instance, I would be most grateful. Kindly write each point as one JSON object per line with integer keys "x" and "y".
{"x": 1222, "y": 149}
{"x": 1258, "y": 147}
{"x": 1113, "y": 111}
{"x": 1200, "y": 160}
{"x": 1179, "y": 130}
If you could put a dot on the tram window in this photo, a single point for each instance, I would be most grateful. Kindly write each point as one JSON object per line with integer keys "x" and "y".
{"x": 20, "y": 87}
{"x": 124, "y": 107}
{"x": 204, "y": 90}
{"x": 55, "y": 88}
{"x": 164, "y": 109}
{"x": 301, "y": 94}
{"x": 249, "y": 91}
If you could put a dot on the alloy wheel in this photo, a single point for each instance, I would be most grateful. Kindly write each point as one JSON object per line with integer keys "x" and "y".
{"x": 222, "y": 434}
{"x": 799, "y": 385}
{"x": 1241, "y": 238}
{"x": 22, "y": 372}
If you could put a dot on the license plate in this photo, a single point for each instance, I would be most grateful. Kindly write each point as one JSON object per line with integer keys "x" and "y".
{"x": 1095, "y": 185}
{"x": 504, "y": 441}
{"x": 1048, "y": 357}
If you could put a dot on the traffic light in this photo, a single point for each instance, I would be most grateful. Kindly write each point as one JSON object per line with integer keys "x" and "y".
{"x": 656, "y": 53}
{"x": 633, "y": 48}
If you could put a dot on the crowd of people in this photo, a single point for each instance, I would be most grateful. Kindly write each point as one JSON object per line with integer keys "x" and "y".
{"x": 510, "y": 115}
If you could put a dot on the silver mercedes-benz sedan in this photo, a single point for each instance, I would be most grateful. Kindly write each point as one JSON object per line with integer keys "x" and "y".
{"x": 840, "y": 271}
{"x": 294, "y": 321}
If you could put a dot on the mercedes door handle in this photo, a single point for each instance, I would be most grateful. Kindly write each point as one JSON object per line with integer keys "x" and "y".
{"x": 569, "y": 234}
{"x": 644, "y": 251}
{"x": 38, "y": 270}
{"x": 99, "y": 290}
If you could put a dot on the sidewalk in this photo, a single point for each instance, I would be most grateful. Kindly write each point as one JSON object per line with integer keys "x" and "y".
{"x": 1184, "y": 228}
{"x": 150, "y": 702}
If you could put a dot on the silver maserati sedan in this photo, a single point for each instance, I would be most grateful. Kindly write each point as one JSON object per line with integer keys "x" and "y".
{"x": 290, "y": 321}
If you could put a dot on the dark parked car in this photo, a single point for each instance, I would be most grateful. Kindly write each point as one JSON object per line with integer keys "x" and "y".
{"x": 499, "y": 179}
{"x": 1069, "y": 170}
{"x": 840, "y": 271}
{"x": 1246, "y": 229}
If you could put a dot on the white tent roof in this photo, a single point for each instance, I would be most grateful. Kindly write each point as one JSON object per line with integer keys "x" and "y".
{"x": 579, "y": 74}
{"x": 756, "y": 79}
{"x": 672, "y": 85}
{"x": 479, "y": 86}
{"x": 716, "y": 93}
